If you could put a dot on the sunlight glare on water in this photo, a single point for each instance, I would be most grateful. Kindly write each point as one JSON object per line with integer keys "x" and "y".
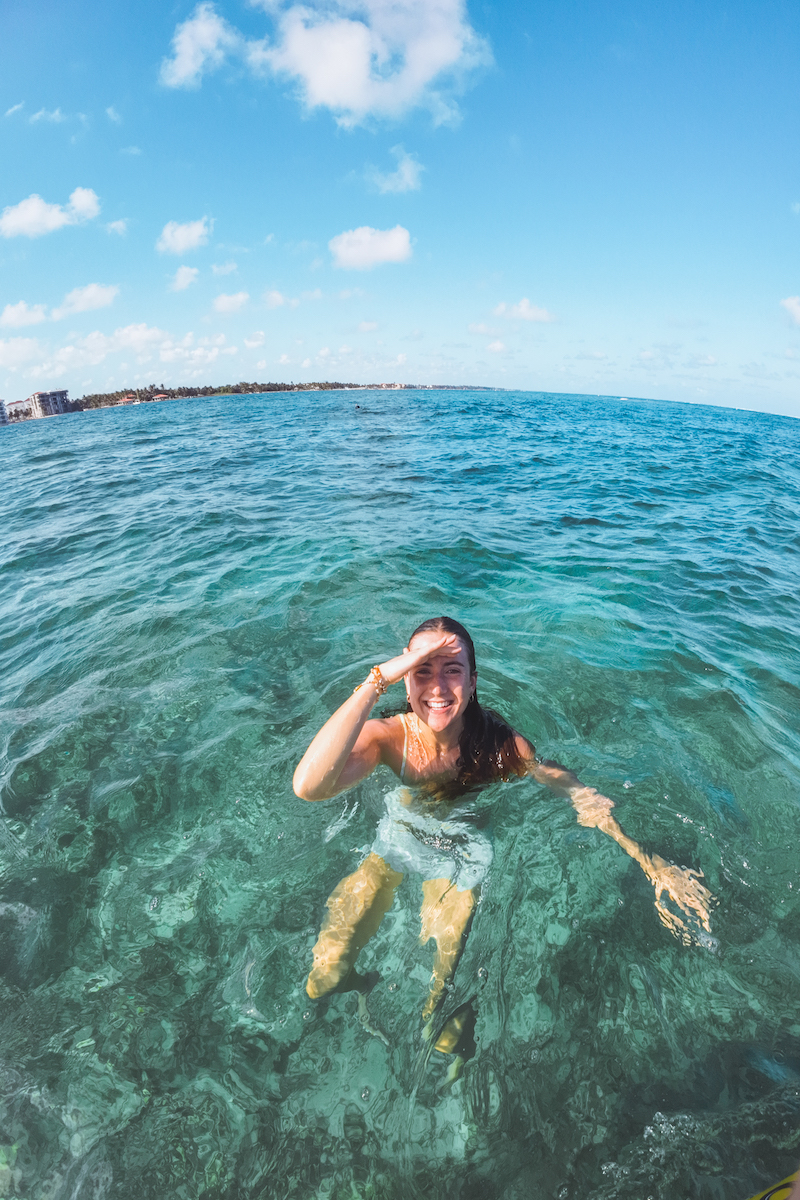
{"x": 188, "y": 590}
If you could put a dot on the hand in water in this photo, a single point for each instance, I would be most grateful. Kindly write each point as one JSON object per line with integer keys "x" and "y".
{"x": 682, "y": 886}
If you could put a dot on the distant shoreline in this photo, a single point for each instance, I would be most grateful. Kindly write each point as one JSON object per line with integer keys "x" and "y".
{"x": 155, "y": 394}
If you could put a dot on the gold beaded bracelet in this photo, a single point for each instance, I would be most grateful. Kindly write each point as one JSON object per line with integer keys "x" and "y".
{"x": 377, "y": 681}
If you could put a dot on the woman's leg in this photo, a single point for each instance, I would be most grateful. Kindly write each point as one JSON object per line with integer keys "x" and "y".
{"x": 356, "y": 908}
{"x": 446, "y": 914}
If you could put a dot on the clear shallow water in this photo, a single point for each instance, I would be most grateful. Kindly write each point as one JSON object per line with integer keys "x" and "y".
{"x": 188, "y": 590}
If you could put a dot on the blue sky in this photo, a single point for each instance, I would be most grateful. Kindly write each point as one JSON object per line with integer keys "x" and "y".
{"x": 578, "y": 197}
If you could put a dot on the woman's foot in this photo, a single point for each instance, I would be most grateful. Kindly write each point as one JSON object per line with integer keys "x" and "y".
{"x": 457, "y": 1033}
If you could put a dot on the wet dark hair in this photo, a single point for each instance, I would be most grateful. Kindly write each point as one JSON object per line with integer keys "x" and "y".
{"x": 487, "y": 746}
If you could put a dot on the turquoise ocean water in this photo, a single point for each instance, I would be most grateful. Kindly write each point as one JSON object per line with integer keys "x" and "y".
{"x": 188, "y": 590}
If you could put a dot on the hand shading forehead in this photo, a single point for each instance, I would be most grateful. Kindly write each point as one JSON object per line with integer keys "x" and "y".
{"x": 457, "y": 656}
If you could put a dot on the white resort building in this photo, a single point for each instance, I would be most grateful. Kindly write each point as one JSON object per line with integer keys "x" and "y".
{"x": 40, "y": 404}
{"x": 48, "y": 404}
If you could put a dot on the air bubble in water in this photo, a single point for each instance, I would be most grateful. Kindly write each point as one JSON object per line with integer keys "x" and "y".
{"x": 483, "y": 973}
{"x": 307, "y": 1015}
{"x": 365, "y": 1095}
{"x": 627, "y": 784}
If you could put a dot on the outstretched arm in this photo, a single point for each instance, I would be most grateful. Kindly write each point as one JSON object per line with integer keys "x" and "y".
{"x": 350, "y": 746}
{"x": 679, "y": 884}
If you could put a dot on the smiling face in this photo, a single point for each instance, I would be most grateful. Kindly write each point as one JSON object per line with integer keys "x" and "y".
{"x": 440, "y": 688}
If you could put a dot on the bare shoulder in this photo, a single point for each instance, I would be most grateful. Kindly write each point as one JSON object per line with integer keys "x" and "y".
{"x": 386, "y": 737}
{"x": 525, "y": 749}
{"x": 385, "y": 734}
{"x": 385, "y": 728}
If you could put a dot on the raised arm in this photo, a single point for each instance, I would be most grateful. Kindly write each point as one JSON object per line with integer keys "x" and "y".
{"x": 350, "y": 746}
{"x": 680, "y": 885}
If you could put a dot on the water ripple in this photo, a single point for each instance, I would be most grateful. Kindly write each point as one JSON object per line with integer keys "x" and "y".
{"x": 189, "y": 589}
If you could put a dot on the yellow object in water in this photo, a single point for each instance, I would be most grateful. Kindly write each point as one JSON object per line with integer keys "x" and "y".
{"x": 778, "y": 1191}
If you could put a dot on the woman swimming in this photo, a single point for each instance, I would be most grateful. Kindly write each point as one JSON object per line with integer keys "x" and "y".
{"x": 443, "y": 748}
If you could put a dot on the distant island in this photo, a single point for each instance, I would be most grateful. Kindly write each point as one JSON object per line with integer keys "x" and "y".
{"x": 154, "y": 392}
{"x": 50, "y": 404}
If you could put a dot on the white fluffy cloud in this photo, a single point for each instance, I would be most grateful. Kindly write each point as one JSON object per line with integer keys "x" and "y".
{"x": 274, "y": 299}
{"x": 370, "y": 57}
{"x": 199, "y": 44}
{"x": 86, "y": 299}
{"x": 199, "y": 354}
{"x": 363, "y": 248}
{"x": 144, "y": 342}
{"x": 407, "y": 177}
{"x": 34, "y": 217}
{"x": 183, "y": 278}
{"x": 496, "y": 347}
{"x": 118, "y": 227}
{"x": 230, "y": 304}
{"x": 179, "y": 239}
{"x": 17, "y": 352}
{"x": 358, "y": 58}
{"x": 83, "y": 204}
{"x": 367, "y": 326}
{"x": 140, "y": 340}
{"x": 55, "y": 115}
{"x": 223, "y": 268}
{"x": 256, "y": 340}
{"x": 524, "y": 311}
{"x": 792, "y": 306}
{"x": 16, "y": 316}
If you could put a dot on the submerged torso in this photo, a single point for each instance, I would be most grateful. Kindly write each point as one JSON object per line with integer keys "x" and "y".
{"x": 426, "y": 831}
